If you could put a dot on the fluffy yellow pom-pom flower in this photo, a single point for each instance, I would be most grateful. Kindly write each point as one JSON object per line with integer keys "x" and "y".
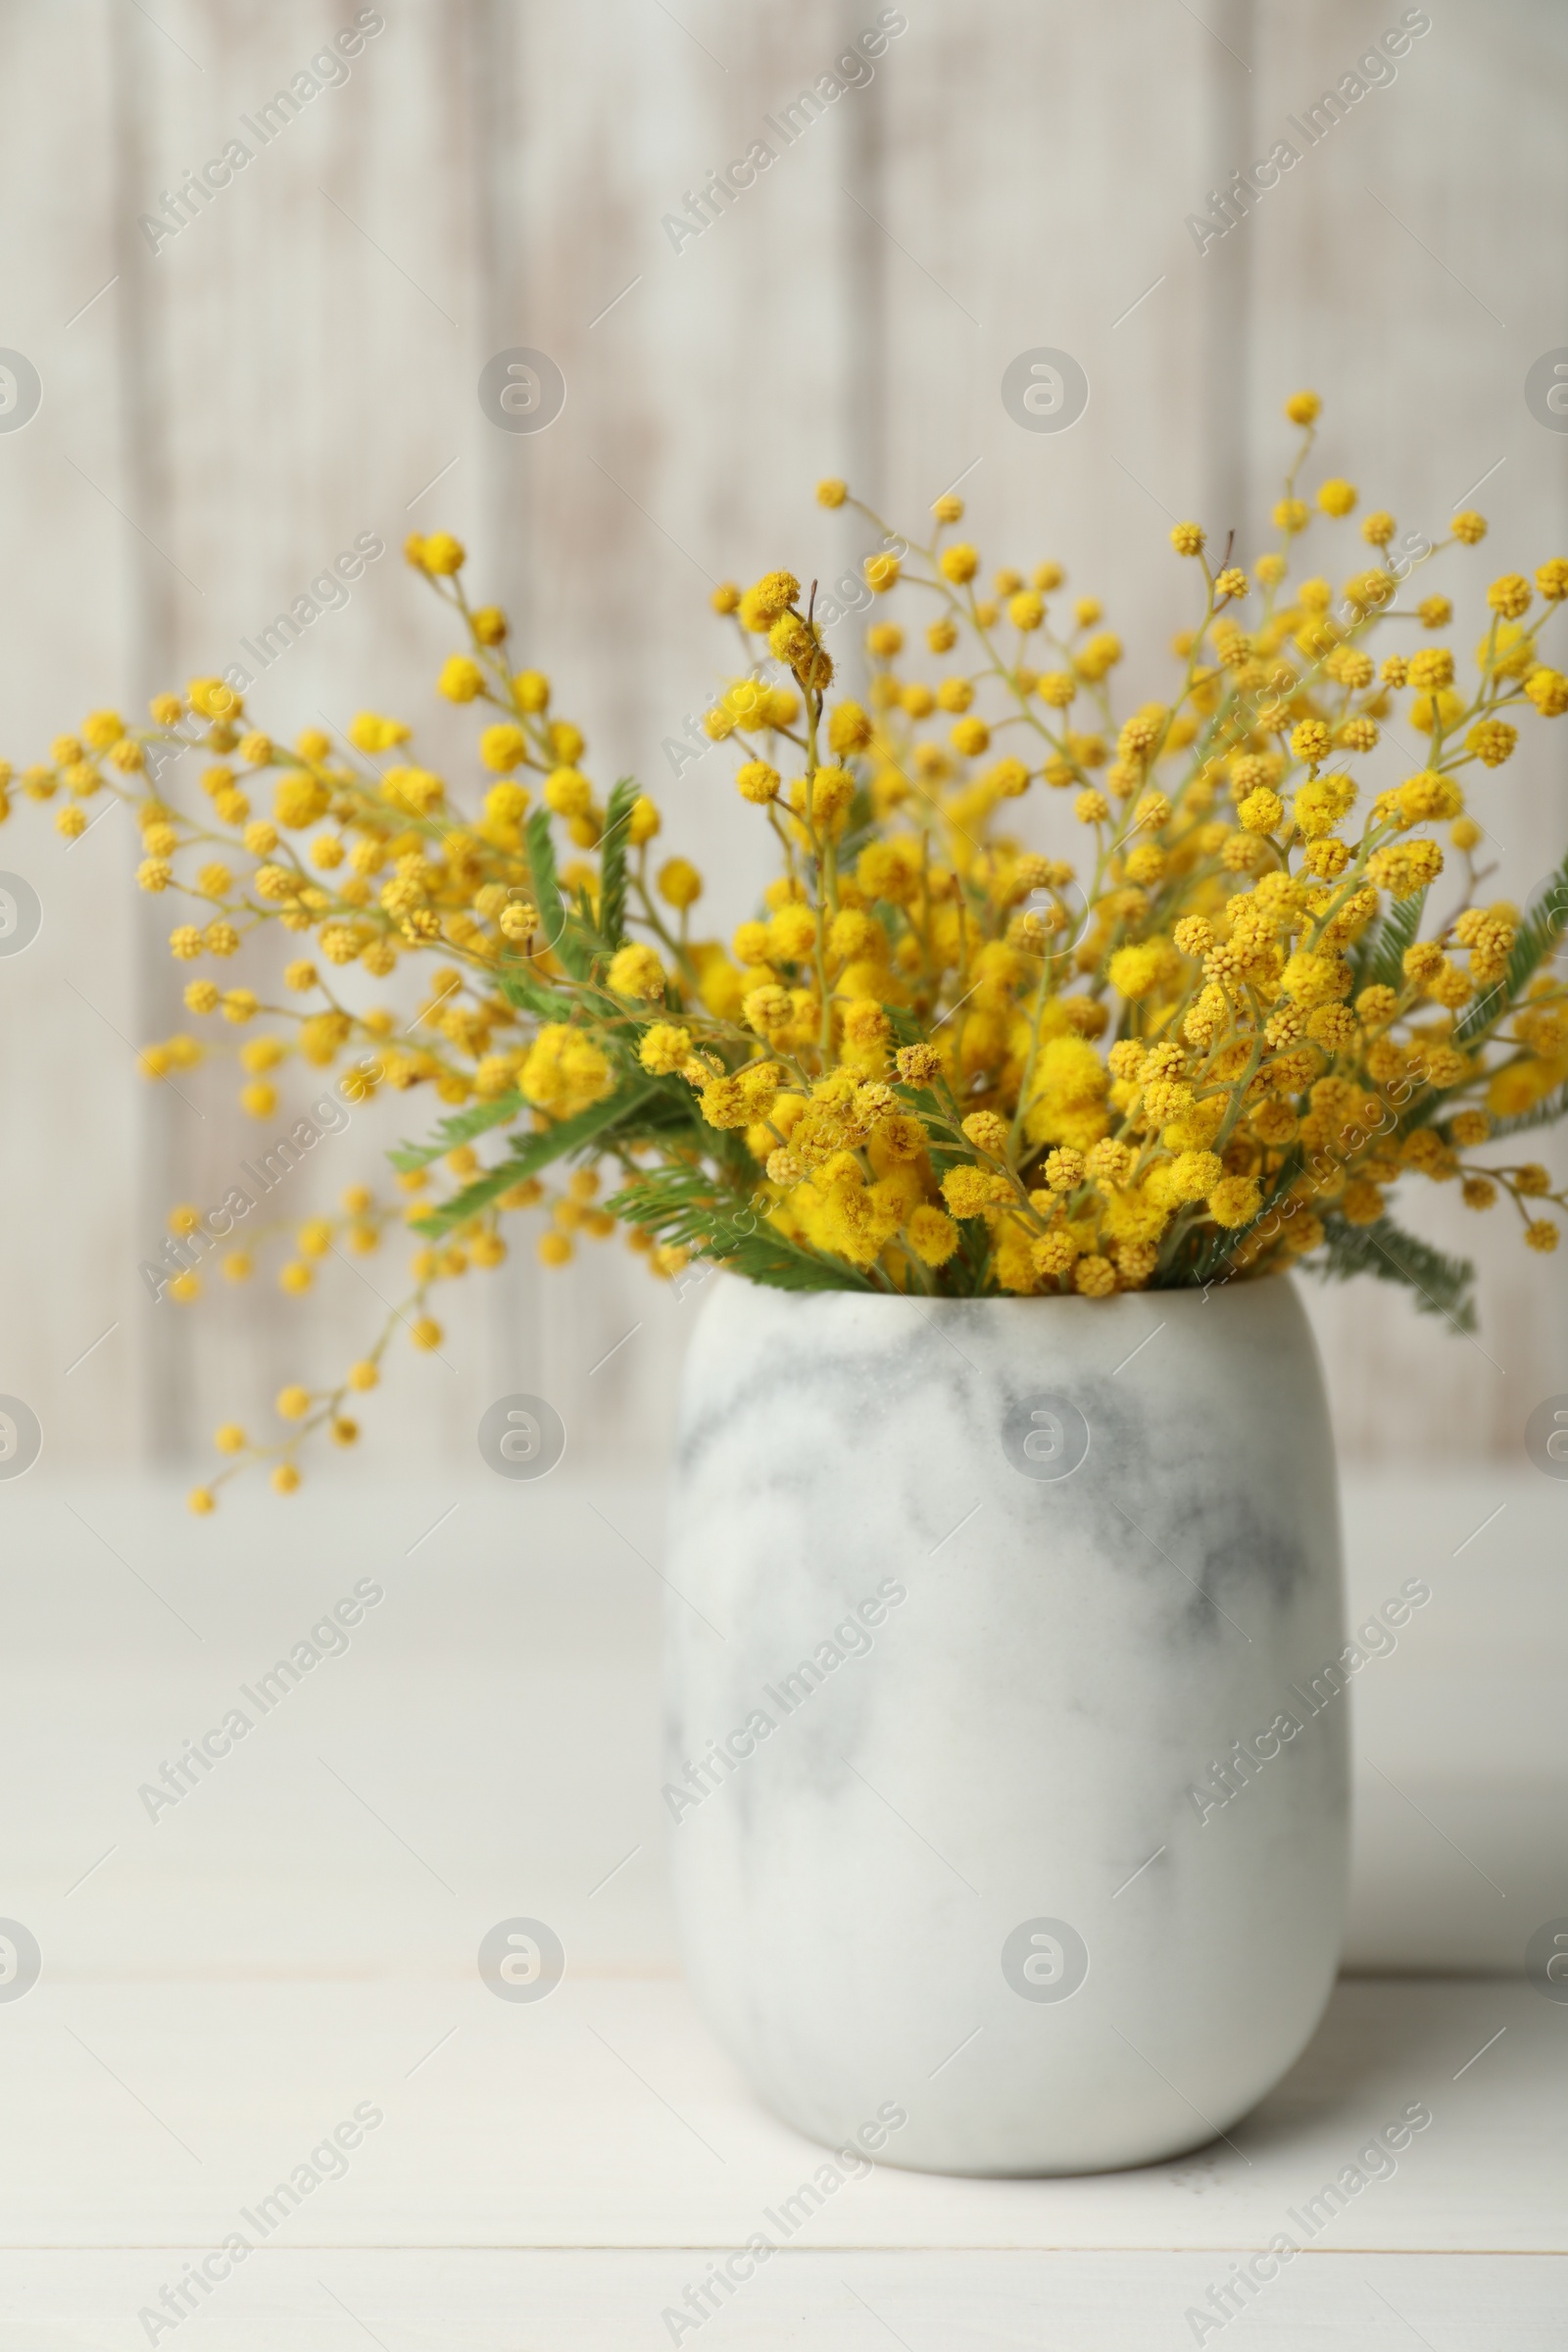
{"x": 503, "y": 747}
{"x": 756, "y": 781}
{"x": 636, "y": 971}
{"x": 680, "y": 882}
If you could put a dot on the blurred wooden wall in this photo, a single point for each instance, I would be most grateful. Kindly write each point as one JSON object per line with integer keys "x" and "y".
{"x": 222, "y": 416}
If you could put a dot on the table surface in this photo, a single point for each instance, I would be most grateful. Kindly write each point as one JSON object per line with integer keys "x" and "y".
{"x": 226, "y": 1980}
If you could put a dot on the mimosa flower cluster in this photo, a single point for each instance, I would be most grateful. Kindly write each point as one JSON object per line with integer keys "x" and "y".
{"x": 1258, "y": 998}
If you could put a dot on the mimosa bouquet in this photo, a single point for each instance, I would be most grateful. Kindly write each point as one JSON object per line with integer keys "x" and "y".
{"x": 934, "y": 1060}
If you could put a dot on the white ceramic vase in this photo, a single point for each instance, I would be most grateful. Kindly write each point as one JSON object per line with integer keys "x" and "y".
{"x": 1008, "y": 1785}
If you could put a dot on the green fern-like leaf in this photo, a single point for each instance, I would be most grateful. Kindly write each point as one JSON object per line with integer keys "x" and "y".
{"x": 1540, "y": 936}
{"x": 688, "y": 1206}
{"x": 467, "y": 1204}
{"x": 598, "y": 1125}
{"x": 861, "y": 828}
{"x": 612, "y": 868}
{"x": 1380, "y": 959}
{"x": 766, "y": 1256}
{"x": 1480, "y": 1013}
{"x": 1541, "y": 933}
{"x": 1207, "y": 1251}
{"x": 460, "y": 1128}
{"x": 523, "y": 986}
{"x": 561, "y": 927}
{"x": 1544, "y": 1113}
{"x": 1442, "y": 1284}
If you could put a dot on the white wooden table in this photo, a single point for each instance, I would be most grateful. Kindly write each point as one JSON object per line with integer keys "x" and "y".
{"x": 224, "y": 1984}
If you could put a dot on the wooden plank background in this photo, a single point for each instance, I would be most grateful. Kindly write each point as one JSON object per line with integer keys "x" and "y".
{"x": 220, "y": 418}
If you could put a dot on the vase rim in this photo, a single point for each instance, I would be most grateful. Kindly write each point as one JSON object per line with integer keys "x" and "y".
{"x": 1191, "y": 1292}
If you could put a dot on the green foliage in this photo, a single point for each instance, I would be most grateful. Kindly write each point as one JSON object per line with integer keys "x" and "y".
{"x": 523, "y": 986}
{"x": 968, "y": 1272}
{"x": 467, "y": 1204}
{"x": 1481, "y": 1014}
{"x": 612, "y": 868}
{"x": 560, "y": 926}
{"x": 711, "y": 1216}
{"x": 1541, "y": 932}
{"x": 460, "y": 1128}
{"x": 1379, "y": 959}
{"x": 1544, "y": 1113}
{"x": 861, "y": 828}
{"x": 906, "y": 1030}
{"x": 619, "y": 1118}
{"x": 1540, "y": 936}
{"x": 1442, "y": 1284}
